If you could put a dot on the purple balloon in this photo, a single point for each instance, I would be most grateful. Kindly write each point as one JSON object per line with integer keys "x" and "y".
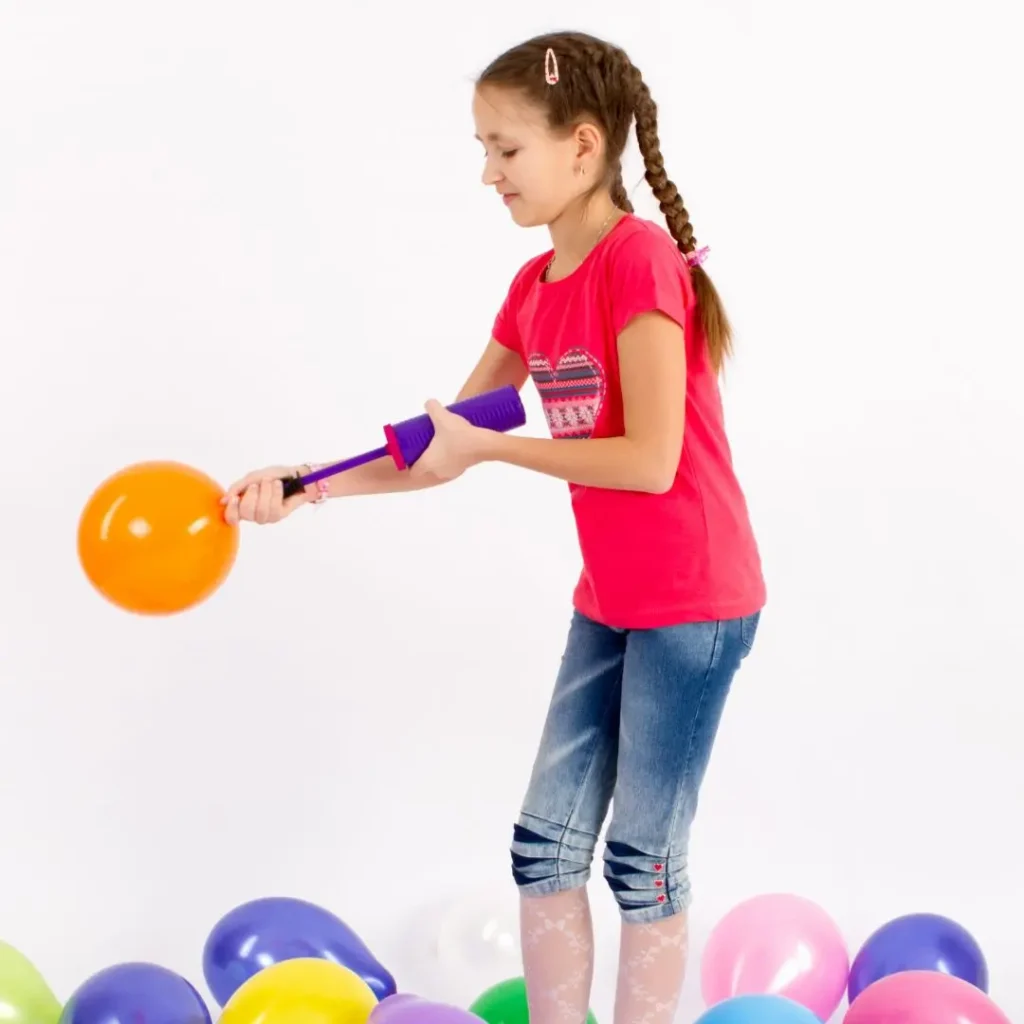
{"x": 918, "y": 942}
{"x": 267, "y": 931}
{"x": 135, "y": 992}
{"x": 409, "y": 1009}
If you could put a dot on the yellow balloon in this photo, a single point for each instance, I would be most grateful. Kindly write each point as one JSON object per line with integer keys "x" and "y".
{"x": 302, "y": 991}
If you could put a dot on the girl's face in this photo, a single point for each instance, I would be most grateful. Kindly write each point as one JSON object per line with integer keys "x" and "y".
{"x": 533, "y": 171}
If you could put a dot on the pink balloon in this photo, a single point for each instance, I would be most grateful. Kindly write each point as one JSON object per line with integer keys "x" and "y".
{"x": 779, "y": 945}
{"x": 923, "y": 997}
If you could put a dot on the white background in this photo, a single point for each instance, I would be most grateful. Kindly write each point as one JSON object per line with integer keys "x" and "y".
{"x": 239, "y": 234}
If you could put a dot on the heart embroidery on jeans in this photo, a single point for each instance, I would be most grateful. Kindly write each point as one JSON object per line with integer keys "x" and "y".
{"x": 571, "y": 392}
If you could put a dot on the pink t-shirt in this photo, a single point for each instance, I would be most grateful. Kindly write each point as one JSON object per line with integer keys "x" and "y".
{"x": 649, "y": 560}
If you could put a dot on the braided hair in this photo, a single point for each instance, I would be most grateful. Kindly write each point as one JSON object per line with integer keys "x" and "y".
{"x": 598, "y": 82}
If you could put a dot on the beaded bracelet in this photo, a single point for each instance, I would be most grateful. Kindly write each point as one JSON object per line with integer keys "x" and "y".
{"x": 322, "y": 487}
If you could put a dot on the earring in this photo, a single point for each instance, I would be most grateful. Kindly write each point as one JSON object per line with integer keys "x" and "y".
{"x": 581, "y": 170}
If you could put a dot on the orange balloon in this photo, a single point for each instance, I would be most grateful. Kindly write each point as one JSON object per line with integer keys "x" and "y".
{"x": 152, "y": 538}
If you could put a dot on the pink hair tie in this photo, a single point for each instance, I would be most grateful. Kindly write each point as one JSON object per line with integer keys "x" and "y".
{"x": 322, "y": 486}
{"x": 698, "y": 256}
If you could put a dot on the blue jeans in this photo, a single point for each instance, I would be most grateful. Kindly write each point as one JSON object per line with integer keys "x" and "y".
{"x": 631, "y": 723}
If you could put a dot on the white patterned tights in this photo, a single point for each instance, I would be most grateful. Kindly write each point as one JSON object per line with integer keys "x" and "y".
{"x": 558, "y": 956}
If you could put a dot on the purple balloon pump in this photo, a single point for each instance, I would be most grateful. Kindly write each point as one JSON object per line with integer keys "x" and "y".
{"x": 500, "y": 410}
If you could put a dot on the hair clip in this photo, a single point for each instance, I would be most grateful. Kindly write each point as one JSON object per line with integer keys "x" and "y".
{"x": 698, "y": 256}
{"x": 550, "y": 67}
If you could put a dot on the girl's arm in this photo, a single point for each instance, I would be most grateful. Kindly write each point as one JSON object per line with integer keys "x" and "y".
{"x": 497, "y": 367}
{"x": 652, "y": 369}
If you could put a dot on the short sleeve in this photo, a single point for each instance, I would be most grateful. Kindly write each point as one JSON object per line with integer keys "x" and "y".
{"x": 506, "y": 330}
{"x": 648, "y": 274}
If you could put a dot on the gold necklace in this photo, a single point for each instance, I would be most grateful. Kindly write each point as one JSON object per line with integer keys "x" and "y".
{"x": 600, "y": 233}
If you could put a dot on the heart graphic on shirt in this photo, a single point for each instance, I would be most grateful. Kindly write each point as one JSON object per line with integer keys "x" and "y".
{"x": 571, "y": 392}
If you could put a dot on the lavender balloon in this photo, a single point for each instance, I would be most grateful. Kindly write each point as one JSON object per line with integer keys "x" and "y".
{"x": 409, "y": 1009}
{"x": 918, "y": 942}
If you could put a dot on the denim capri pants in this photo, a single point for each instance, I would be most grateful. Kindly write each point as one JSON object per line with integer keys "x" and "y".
{"x": 630, "y": 725}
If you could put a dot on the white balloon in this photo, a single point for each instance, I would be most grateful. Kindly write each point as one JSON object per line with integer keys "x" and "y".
{"x": 478, "y": 938}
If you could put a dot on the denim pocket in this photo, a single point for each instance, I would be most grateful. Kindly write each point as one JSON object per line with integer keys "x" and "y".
{"x": 748, "y": 630}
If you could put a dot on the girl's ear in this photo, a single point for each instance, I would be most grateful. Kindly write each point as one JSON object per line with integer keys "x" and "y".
{"x": 589, "y": 142}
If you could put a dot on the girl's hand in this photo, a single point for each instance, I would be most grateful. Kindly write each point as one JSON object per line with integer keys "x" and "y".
{"x": 259, "y": 496}
{"x": 456, "y": 446}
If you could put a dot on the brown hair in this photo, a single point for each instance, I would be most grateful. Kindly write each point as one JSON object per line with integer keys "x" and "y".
{"x": 597, "y": 81}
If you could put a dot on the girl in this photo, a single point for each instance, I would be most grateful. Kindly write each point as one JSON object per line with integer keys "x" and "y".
{"x": 623, "y": 334}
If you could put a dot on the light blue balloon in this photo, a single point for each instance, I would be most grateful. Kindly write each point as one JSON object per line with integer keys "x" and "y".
{"x": 759, "y": 1010}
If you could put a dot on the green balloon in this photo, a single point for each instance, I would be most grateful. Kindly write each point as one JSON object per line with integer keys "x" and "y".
{"x": 505, "y": 1003}
{"x": 25, "y": 998}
